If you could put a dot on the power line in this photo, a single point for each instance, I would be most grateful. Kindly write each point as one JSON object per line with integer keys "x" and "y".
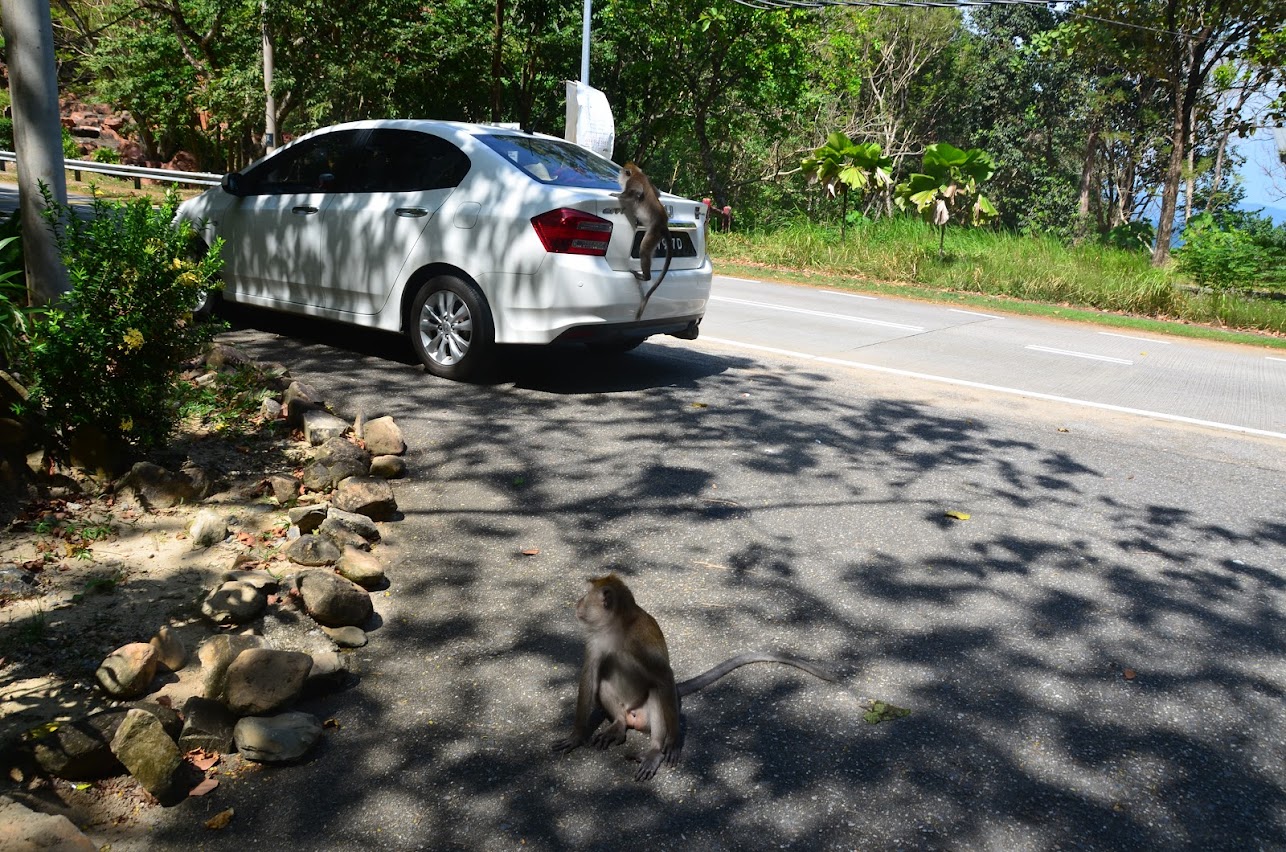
{"x": 946, "y": 4}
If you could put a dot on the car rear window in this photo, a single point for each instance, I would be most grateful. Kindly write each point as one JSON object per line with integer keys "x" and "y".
{"x": 551, "y": 161}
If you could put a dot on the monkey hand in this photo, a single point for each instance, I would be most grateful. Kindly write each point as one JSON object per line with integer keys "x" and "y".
{"x": 613, "y": 734}
{"x": 567, "y": 744}
{"x": 640, "y": 276}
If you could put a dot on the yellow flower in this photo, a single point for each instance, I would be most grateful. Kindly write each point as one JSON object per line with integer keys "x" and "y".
{"x": 133, "y": 339}
{"x": 191, "y": 279}
{"x": 178, "y": 263}
{"x": 127, "y": 424}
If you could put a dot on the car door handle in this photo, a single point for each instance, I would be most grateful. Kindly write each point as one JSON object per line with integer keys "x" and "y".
{"x": 302, "y": 209}
{"x": 411, "y": 212}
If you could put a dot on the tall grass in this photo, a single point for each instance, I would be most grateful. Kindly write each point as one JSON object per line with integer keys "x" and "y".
{"x": 902, "y": 250}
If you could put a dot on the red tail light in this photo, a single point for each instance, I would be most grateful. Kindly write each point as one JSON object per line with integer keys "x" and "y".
{"x": 567, "y": 231}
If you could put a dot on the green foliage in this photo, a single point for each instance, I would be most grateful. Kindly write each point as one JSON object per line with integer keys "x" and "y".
{"x": 228, "y": 405}
{"x": 105, "y": 155}
{"x": 71, "y": 149}
{"x": 106, "y": 356}
{"x": 947, "y": 186}
{"x": 13, "y": 288}
{"x": 1137, "y": 236}
{"x": 1218, "y": 256}
{"x": 6, "y": 134}
{"x": 842, "y": 165}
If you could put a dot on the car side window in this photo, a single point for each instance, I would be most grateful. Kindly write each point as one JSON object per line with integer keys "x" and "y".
{"x": 316, "y": 165}
{"x": 406, "y": 161}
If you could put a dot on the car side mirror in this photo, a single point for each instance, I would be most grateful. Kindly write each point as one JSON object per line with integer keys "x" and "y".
{"x": 233, "y": 184}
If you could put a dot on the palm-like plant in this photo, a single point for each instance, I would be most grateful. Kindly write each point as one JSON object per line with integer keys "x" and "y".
{"x": 842, "y": 164}
{"x": 948, "y": 186}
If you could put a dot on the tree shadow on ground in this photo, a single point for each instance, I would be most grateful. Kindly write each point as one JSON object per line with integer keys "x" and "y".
{"x": 1089, "y": 660}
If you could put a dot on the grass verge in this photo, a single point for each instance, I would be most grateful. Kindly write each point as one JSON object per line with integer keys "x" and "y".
{"x": 989, "y": 270}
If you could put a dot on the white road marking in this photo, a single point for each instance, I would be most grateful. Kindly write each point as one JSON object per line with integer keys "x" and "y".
{"x": 826, "y": 314}
{"x": 853, "y": 295}
{"x": 1079, "y": 354}
{"x": 1144, "y": 339}
{"x": 1271, "y": 358}
{"x": 973, "y": 313}
{"x": 1102, "y": 406}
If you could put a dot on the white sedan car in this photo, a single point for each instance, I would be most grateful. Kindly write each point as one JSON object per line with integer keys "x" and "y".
{"x": 460, "y": 236}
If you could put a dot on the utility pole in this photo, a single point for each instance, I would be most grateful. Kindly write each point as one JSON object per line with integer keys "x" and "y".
{"x": 37, "y": 140}
{"x": 270, "y": 114}
{"x": 584, "y": 41}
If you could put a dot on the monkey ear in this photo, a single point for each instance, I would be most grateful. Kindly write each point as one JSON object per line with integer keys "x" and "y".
{"x": 608, "y": 597}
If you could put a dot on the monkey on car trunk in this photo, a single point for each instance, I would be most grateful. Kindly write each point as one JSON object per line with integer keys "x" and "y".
{"x": 641, "y": 204}
{"x": 627, "y": 677}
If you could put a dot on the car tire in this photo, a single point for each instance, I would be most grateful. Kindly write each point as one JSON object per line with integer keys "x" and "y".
{"x": 451, "y": 329}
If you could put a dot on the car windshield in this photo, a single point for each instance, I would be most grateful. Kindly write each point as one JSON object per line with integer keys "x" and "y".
{"x": 554, "y": 162}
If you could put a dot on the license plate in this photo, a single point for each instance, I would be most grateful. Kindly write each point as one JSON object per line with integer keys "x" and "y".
{"x": 680, "y": 245}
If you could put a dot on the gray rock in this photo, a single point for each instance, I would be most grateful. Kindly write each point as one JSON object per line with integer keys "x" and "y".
{"x": 344, "y": 538}
{"x": 363, "y": 526}
{"x": 25, "y": 830}
{"x": 299, "y": 398}
{"x": 216, "y": 654}
{"x": 261, "y": 580}
{"x": 366, "y": 496}
{"x": 343, "y": 459}
{"x": 307, "y": 518}
{"x": 207, "y": 724}
{"x": 128, "y": 671}
{"x": 209, "y": 527}
{"x": 313, "y": 550}
{"x": 234, "y": 602}
{"x": 346, "y": 637}
{"x": 321, "y": 426}
{"x": 383, "y": 437}
{"x": 149, "y": 754}
{"x": 328, "y": 669}
{"x": 16, "y": 584}
{"x": 203, "y": 482}
{"x": 169, "y": 649}
{"x": 261, "y": 680}
{"x": 362, "y": 568}
{"x": 156, "y": 487}
{"x": 334, "y": 601}
{"x": 317, "y": 477}
{"x": 220, "y": 355}
{"x": 388, "y": 467}
{"x": 270, "y": 409}
{"x": 284, "y": 737}
{"x": 281, "y": 488}
{"x": 80, "y": 750}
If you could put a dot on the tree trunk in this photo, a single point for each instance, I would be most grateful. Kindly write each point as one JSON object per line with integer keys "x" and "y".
{"x": 1087, "y": 182}
{"x": 1170, "y": 190}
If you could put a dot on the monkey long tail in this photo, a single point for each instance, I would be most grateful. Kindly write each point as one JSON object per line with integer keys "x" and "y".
{"x": 638, "y": 315}
{"x": 703, "y": 680}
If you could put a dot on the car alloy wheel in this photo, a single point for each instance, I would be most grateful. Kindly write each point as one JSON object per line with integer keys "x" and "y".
{"x": 451, "y": 328}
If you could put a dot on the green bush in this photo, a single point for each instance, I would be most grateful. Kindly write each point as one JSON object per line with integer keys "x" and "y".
{"x": 108, "y": 354}
{"x": 1218, "y": 257}
{"x": 105, "y": 155}
{"x": 71, "y": 148}
{"x": 13, "y": 288}
{"x": 6, "y": 134}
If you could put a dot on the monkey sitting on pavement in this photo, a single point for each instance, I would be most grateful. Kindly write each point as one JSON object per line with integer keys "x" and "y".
{"x": 627, "y": 676}
{"x": 641, "y": 204}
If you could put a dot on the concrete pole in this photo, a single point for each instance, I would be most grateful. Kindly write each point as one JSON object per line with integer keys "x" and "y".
{"x": 270, "y": 114}
{"x": 37, "y": 139}
{"x": 584, "y": 41}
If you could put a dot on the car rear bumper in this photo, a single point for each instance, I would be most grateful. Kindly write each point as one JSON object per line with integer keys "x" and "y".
{"x": 589, "y": 302}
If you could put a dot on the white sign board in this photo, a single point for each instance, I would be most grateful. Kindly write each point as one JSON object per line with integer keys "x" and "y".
{"x": 589, "y": 119}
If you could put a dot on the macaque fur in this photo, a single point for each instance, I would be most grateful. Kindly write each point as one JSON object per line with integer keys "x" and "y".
{"x": 627, "y": 676}
{"x": 641, "y": 204}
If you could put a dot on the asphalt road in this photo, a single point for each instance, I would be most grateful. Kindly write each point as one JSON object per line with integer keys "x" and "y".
{"x": 1095, "y": 659}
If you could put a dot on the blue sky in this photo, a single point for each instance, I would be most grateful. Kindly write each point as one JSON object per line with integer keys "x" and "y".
{"x": 1264, "y": 175}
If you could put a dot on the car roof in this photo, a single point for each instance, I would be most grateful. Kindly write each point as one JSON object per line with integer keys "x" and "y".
{"x": 457, "y": 131}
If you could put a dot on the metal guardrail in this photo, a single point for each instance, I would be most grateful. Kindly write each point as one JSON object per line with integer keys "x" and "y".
{"x": 138, "y": 173}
